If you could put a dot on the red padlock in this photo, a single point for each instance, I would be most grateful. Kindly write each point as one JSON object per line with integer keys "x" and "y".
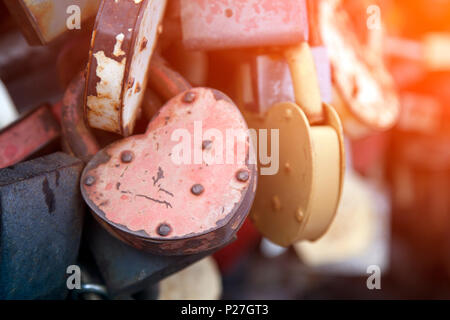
{"x": 29, "y": 135}
{"x": 148, "y": 191}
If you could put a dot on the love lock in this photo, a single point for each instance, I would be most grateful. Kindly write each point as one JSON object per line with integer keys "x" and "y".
{"x": 364, "y": 94}
{"x": 263, "y": 80}
{"x": 300, "y": 200}
{"x": 117, "y": 67}
{"x": 124, "y": 269}
{"x": 148, "y": 191}
{"x": 217, "y": 24}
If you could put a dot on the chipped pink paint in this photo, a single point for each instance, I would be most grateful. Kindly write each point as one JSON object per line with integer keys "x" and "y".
{"x": 220, "y": 24}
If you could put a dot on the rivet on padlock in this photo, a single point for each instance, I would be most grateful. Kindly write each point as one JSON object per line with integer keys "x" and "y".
{"x": 157, "y": 203}
{"x": 309, "y": 181}
{"x": 118, "y": 64}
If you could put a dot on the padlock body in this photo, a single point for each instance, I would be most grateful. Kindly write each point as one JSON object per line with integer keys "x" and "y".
{"x": 215, "y": 24}
{"x": 186, "y": 186}
{"x": 300, "y": 200}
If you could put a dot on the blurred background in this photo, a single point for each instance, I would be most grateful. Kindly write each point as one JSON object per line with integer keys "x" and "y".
{"x": 405, "y": 172}
{"x": 395, "y": 211}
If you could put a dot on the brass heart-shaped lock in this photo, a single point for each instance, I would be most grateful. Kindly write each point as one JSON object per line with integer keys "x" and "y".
{"x": 300, "y": 200}
{"x": 181, "y": 188}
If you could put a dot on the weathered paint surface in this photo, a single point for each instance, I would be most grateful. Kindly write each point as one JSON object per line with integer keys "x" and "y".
{"x": 104, "y": 107}
{"x": 219, "y": 24}
{"x": 147, "y": 36}
{"x": 144, "y": 196}
{"x": 123, "y": 41}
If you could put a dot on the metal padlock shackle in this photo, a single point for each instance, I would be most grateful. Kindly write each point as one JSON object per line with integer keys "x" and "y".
{"x": 305, "y": 82}
{"x": 164, "y": 80}
{"x": 78, "y": 139}
{"x": 314, "y": 167}
{"x": 303, "y": 70}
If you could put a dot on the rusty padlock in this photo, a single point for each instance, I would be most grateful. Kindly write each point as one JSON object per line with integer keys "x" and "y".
{"x": 123, "y": 41}
{"x": 311, "y": 160}
{"x": 364, "y": 94}
{"x": 216, "y": 24}
{"x": 124, "y": 269}
{"x": 34, "y": 132}
{"x": 43, "y": 21}
{"x": 264, "y": 80}
{"x": 150, "y": 192}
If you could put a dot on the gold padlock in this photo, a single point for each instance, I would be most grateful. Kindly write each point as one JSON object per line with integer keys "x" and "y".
{"x": 299, "y": 201}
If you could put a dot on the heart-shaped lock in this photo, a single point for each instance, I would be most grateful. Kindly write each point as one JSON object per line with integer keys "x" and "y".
{"x": 300, "y": 200}
{"x": 157, "y": 192}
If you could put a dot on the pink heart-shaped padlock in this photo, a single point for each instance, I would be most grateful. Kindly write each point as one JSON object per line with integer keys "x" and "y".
{"x": 183, "y": 187}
